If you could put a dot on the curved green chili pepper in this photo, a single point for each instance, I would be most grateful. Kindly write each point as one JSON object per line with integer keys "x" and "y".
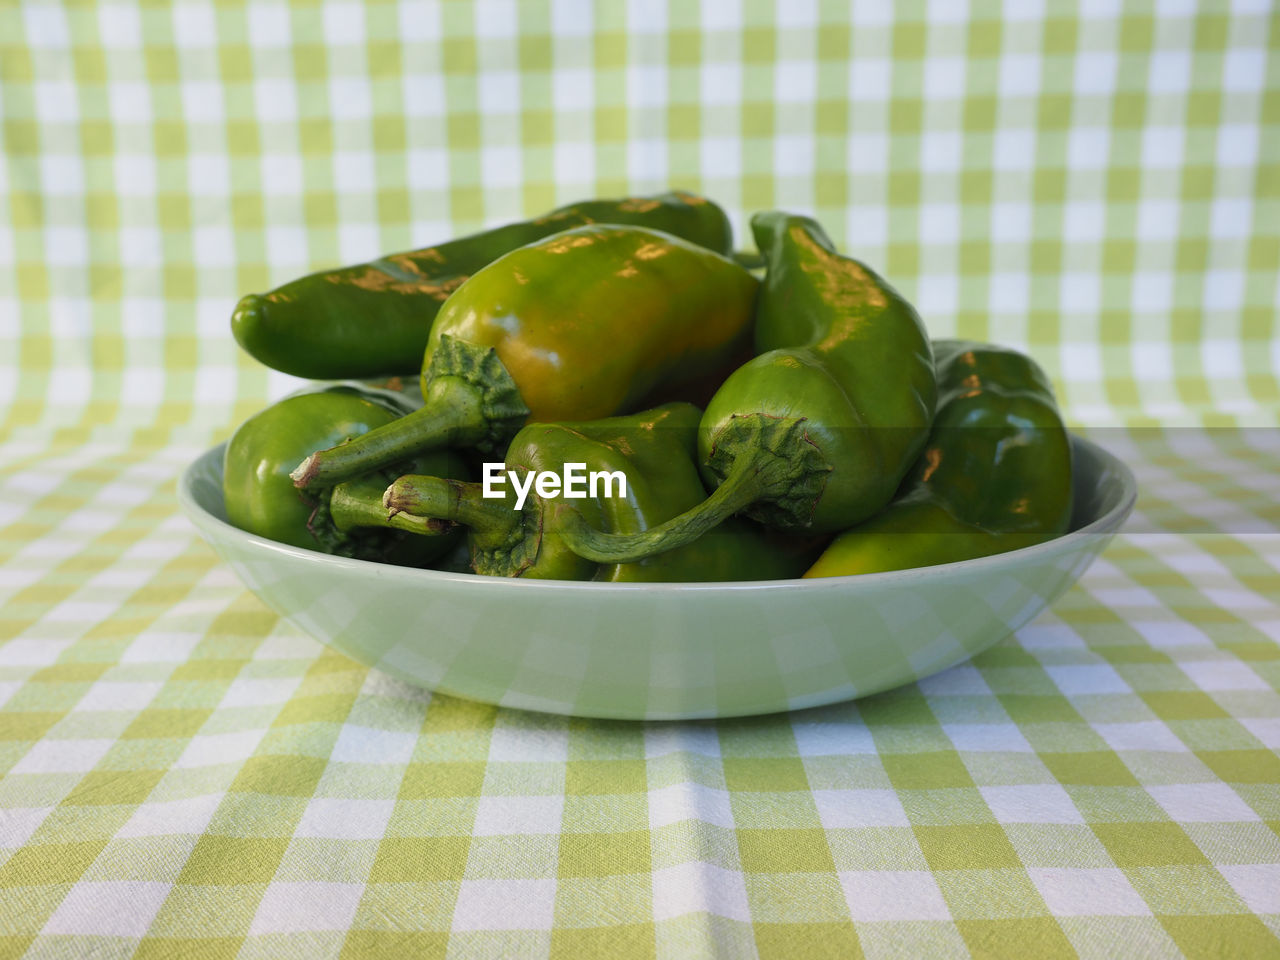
{"x": 655, "y": 452}
{"x": 586, "y": 324}
{"x": 348, "y": 520}
{"x": 373, "y": 319}
{"x": 994, "y": 476}
{"x": 817, "y": 432}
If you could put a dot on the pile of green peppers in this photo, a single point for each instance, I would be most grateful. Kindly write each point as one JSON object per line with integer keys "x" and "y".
{"x": 773, "y": 415}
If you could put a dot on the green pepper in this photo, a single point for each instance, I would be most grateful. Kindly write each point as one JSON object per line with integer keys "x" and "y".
{"x": 349, "y": 519}
{"x": 654, "y": 451}
{"x": 994, "y": 476}
{"x": 373, "y": 319}
{"x": 592, "y": 322}
{"x": 817, "y": 432}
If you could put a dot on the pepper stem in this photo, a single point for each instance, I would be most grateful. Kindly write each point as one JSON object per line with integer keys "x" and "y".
{"x": 358, "y": 503}
{"x": 503, "y": 541}
{"x": 455, "y": 501}
{"x": 470, "y": 401}
{"x": 765, "y": 462}
{"x": 746, "y": 483}
{"x": 452, "y": 415}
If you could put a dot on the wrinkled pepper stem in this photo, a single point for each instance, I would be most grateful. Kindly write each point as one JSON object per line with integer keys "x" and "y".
{"x": 740, "y": 489}
{"x": 767, "y": 460}
{"x": 470, "y": 401}
{"x": 451, "y": 416}
{"x": 455, "y": 501}
{"x": 359, "y": 503}
{"x": 503, "y": 540}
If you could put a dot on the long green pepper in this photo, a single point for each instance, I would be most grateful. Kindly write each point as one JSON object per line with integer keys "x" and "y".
{"x": 373, "y": 319}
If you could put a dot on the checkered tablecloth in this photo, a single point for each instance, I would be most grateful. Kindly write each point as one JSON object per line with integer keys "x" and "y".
{"x": 184, "y": 775}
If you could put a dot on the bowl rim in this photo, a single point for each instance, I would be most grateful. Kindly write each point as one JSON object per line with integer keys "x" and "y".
{"x": 1105, "y": 525}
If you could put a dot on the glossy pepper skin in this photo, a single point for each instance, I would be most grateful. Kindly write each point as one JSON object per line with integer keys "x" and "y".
{"x": 994, "y": 476}
{"x": 592, "y": 322}
{"x": 348, "y": 520}
{"x": 816, "y": 432}
{"x": 372, "y": 319}
{"x": 655, "y": 451}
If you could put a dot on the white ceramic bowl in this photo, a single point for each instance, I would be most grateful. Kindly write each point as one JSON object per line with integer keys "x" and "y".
{"x": 666, "y": 650}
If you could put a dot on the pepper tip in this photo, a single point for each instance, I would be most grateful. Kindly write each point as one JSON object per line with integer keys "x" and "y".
{"x": 391, "y": 498}
{"x": 304, "y": 473}
{"x": 246, "y": 317}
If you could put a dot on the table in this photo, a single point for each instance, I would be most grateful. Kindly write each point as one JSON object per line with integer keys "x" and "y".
{"x": 186, "y": 773}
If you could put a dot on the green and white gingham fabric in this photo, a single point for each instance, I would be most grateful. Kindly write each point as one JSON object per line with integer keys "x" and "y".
{"x": 184, "y": 775}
